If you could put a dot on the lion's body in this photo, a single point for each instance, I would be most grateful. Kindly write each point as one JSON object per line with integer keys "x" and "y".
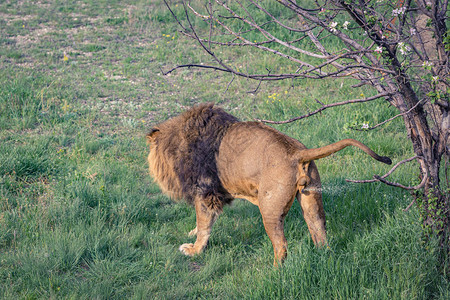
{"x": 251, "y": 151}
{"x": 208, "y": 157}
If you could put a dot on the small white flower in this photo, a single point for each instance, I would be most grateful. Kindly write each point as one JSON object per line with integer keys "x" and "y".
{"x": 345, "y": 25}
{"x": 435, "y": 78}
{"x": 427, "y": 64}
{"x": 332, "y": 27}
{"x": 365, "y": 126}
{"x": 407, "y": 48}
{"x": 403, "y": 48}
{"x": 398, "y": 11}
{"x": 378, "y": 49}
{"x": 413, "y": 31}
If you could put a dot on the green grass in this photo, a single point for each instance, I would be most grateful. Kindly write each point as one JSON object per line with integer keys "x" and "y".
{"x": 80, "y": 217}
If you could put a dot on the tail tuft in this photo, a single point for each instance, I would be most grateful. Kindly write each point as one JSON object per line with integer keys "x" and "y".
{"x": 386, "y": 160}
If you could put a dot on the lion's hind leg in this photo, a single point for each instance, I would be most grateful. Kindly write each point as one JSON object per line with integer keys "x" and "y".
{"x": 275, "y": 198}
{"x": 310, "y": 199}
{"x": 205, "y": 220}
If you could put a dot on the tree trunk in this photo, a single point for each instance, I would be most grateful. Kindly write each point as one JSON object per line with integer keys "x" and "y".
{"x": 433, "y": 201}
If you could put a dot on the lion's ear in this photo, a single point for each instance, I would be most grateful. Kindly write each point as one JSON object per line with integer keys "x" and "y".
{"x": 152, "y": 134}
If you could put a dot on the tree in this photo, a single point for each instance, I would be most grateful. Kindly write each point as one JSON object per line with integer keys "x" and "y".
{"x": 400, "y": 48}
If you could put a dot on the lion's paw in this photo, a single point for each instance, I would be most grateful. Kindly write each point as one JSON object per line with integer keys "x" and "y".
{"x": 188, "y": 249}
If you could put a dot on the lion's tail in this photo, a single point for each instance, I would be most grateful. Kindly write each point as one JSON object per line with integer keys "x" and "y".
{"x": 313, "y": 154}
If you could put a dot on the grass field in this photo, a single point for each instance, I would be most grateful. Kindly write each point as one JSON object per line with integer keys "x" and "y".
{"x": 80, "y": 218}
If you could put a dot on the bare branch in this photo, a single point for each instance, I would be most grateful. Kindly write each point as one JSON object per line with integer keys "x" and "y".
{"x": 417, "y": 187}
{"x": 229, "y": 83}
{"x": 196, "y": 66}
{"x": 173, "y": 15}
{"x": 278, "y": 22}
{"x": 385, "y": 175}
{"x": 344, "y": 72}
{"x": 313, "y": 72}
{"x": 204, "y": 17}
{"x": 265, "y": 33}
{"x": 325, "y": 107}
{"x": 381, "y": 178}
{"x": 235, "y": 44}
{"x": 410, "y": 205}
{"x": 257, "y": 87}
{"x": 257, "y": 45}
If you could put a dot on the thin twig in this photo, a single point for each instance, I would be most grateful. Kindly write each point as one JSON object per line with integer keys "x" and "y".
{"x": 410, "y": 205}
{"x": 325, "y": 107}
{"x": 228, "y": 85}
{"x": 256, "y": 89}
{"x": 259, "y": 84}
{"x": 390, "y": 119}
{"x": 173, "y": 15}
{"x": 204, "y": 17}
{"x": 321, "y": 103}
{"x": 267, "y": 34}
{"x": 278, "y": 21}
{"x": 313, "y": 72}
{"x": 419, "y": 186}
{"x": 387, "y": 174}
{"x": 194, "y": 66}
{"x": 381, "y": 178}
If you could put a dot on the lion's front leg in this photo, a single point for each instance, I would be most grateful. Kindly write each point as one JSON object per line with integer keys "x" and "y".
{"x": 205, "y": 220}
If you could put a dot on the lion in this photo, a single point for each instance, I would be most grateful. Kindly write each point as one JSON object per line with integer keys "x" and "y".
{"x": 208, "y": 157}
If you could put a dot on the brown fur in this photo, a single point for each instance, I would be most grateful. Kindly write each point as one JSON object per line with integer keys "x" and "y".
{"x": 208, "y": 157}
{"x": 183, "y": 160}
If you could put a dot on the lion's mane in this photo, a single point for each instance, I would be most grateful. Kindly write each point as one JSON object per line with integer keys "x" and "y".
{"x": 183, "y": 155}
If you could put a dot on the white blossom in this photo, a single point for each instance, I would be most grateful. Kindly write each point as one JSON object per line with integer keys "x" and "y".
{"x": 365, "y": 126}
{"x": 332, "y": 27}
{"x": 403, "y": 48}
{"x": 378, "y": 49}
{"x": 427, "y": 64}
{"x": 413, "y": 31}
{"x": 345, "y": 25}
{"x": 399, "y": 11}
